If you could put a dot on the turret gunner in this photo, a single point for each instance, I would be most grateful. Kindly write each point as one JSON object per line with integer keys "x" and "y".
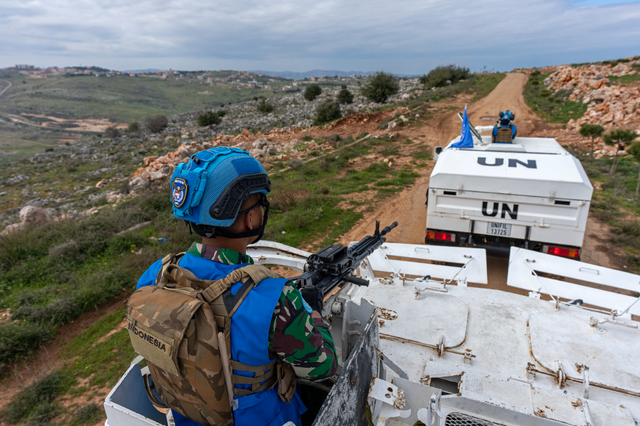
{"x": 221, "y": 193}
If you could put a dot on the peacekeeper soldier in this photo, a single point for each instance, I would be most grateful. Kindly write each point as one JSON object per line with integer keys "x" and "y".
{"x": 505, "y": 131}
{"x": 228, "y": 208}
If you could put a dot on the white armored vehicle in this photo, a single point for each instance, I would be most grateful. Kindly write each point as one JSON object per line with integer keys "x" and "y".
{"x": 531, "y": 193}
{"x": 427, "y": 341}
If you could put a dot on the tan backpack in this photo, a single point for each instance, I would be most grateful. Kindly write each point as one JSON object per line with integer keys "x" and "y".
{"x": 504, "y": 135}
{"x": 181, "y": 327}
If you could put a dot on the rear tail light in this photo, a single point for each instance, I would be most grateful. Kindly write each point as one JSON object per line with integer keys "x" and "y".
{"x": 441, "y": 236}
{"x": 562, "y": 251}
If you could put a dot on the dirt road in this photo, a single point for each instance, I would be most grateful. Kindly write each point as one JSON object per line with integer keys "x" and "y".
{"x": 506, "y": 95}
{"x": 408, "y": 208}
{"x": 6, "y": 88}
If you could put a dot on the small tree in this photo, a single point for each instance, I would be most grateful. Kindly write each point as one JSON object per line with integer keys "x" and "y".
{"x": 593, "y": 131}
{"x": 209, "y": 118}
{"x": 133, "y": 127}
{"x": 619, "y": 138}
{"x": 444, "y": 74}
{"x": 635, "y": 151}
{"x": 327, "y": 111}
{"x": 345, "y": 96}
{"x": 312, "y": 91}
{"x": 380, "y": 87}
{"x": 112, "y": 132}
{"x": 156, "y": 124}
{"x": 264, "y": 106}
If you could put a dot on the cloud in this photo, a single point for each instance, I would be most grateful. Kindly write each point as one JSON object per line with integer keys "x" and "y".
{"x": 407, "y": 36}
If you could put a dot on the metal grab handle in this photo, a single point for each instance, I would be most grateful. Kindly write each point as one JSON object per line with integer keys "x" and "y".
{"x": 589, "y": 270}
{"x": 415, "y": 250}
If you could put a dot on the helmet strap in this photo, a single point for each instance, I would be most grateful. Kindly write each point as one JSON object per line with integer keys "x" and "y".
{"x": 213, "y": 231}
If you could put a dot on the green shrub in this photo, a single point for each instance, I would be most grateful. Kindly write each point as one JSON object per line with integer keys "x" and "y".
{"x": 37, "y": 402}
{"x": 156, "y": 124}
{"x": 312, "y": 91}
{"x": 333, "y": 138}
{"x": 380, "y": 87}
{"x": 133, "y": 127}
{"x": 112, "y": 132}
{"x": 442, "y": 75}
{"x": 345, "y": 96}
{"x": 264, "y": 106}
{"x": 86, "y": 415}
{"x": 18, "y": 340}
{"x": 209, "y": 118}
{"x": 327, "y": 111}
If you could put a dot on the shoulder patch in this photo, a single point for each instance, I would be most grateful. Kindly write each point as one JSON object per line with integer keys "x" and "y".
{"x": 306, "y": 305}
{"x": 179, "y": 190}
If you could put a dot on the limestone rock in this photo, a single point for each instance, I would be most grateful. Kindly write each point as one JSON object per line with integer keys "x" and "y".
{"x": 243, "y": 146}
{"x": 12, "y": 228}
{"x": 138, "y": 183}
{"x": 31, "y": 215}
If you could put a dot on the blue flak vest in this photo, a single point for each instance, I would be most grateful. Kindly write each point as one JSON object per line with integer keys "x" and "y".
{"x": 249, "y": 342}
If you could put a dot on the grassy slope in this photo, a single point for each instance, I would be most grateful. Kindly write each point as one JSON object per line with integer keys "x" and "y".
{"x": 614, "y": 203}
{"x": 555, "y": 108}
{"x": 119, "y": 99}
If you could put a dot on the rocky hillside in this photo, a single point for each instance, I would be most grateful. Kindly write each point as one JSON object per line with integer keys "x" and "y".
{"x": 608, "y": 105}
{"x": 76, "y": 179}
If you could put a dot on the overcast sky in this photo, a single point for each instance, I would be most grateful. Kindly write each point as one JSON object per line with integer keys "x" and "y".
{"x": 299, "y": 35}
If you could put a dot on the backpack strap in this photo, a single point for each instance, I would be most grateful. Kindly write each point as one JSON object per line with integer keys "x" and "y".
{"x": 149, "y": 388}
{"x": 249, "y": 275}
{"x": 170, "y": 259}
{"x": 262, "y": 373}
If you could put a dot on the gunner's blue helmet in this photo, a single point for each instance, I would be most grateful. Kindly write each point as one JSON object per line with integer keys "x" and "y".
{"x": 210, "y": 188}
{"x": 506, "y": 117}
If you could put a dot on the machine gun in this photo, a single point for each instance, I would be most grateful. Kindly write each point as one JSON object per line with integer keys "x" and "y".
{"x": 333, "y": 264}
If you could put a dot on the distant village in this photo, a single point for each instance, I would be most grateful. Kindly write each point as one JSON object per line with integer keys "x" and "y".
{"x": 242, "y": 79}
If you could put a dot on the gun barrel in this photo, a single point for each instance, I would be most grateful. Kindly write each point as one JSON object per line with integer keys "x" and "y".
{"x": 389, "y": 228}
{"x": 331, "y": 265}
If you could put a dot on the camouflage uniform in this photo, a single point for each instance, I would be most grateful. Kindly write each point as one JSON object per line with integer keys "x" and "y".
{"x": 295, "y": 336}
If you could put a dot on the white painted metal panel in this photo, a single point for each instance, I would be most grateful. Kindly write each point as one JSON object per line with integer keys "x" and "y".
{"x": 506, "y": 208}
{"x": 270, "y": 252}
{"x": 475, "y": 260}
{"x": 401, "y": 312}
{"x": 489, "y": 171}
{"x": 566, "y": 336}
{"x": 523, "y": 264}
{"x": 484, "y": 388}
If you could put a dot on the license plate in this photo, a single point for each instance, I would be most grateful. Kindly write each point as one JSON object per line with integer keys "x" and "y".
{"x": 502, "y": 229}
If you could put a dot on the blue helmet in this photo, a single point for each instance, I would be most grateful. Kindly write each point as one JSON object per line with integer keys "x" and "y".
{"x": 506, "y": 117}
{"x": 207, "y": 191}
